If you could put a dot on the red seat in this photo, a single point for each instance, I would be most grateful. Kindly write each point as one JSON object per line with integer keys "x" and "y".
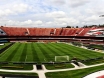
{"x": 14, "y": 31}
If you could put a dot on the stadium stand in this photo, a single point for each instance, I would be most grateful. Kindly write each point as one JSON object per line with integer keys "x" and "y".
{"x": 83, "y": 32}
{"x": 16, "y": 31}
{"x": 32, "y": 31}
{"x": 57, "y": 31}
{"x": 2, "y": 32}
{"x": 65, "y": 31}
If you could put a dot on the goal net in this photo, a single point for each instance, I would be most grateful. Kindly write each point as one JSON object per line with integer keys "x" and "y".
{"x": 61, "y": 58}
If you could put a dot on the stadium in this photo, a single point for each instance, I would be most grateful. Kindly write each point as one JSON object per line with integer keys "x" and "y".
{"x": 52, "y": 52}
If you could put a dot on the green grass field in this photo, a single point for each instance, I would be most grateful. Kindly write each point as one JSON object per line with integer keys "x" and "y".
{"x": 80, "y": 73}
{"x": 100, "y": 47}
{"x": 2, "y": 46}
{"x": 44, "y": 52}
{"x": 21, "y": 74}
{"x": 59, "y": 66}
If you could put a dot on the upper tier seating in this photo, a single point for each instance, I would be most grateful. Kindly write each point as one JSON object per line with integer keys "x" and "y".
{"x": 40, "y": 31}
{"x": 83, "y": 31}
{"x": 16, "y": 31}
{"x": 69, "y": 31}
{"x": 57, "y": 31}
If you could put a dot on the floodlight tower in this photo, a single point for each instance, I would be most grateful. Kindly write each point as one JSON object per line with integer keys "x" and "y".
{"x": 101, "y": 16}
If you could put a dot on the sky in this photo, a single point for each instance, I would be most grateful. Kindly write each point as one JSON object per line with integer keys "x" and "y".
{"x": 51, "y": 13}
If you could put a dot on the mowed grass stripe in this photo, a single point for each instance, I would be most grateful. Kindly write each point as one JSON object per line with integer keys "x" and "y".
{"x": 7, "y": 52}
{"x": 6, "y": 44}
{"x": 85, "y": 51}
{"x": 51, "y": 53}
{"x": 70, "y": 52}
{"x": 54, "y": 50}
{"x": 61, "y": 49}
{"x": 74, "y": 53}
{"x": 74, "y": 50}
{"x": 78, "y": 51}
{"x": 43, "y": 58}
{"x": 93, "y": 53}
{"x": 39, "y": 53}
{"x": 29, "y": 56}
{"x": 45, "y": 52}
{"x": 17, "y": 56}
{"x": 23, "y": 55}
{"x": 10, "y": 57}
{"x": 3, "y": 53}
{"x": 34, "y": 53}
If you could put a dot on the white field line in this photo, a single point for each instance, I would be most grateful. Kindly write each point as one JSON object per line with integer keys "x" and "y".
{"x": 25, "y": 58}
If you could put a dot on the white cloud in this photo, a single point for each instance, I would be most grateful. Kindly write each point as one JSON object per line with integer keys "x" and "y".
{"x": 72, "y": 3}
{"x": 97, "y": 10}
{"x": 76, "y": 3}
{"x": 68, "y": 21}
{"x": 51, "y": 13}
{"x": 57, "y": 2}
{"x": 38, "y": 22}
{"x": 5, "y": 12}
{"x": 27, "y": 22}
{"x": 75, "y": 13}
{"x": 31, "y": 23}
{"x": 89, "y": 11}
{"x": 14, "y": 9}
{"x": 57, "y": 22}
{"x": 92, "y": 18}
{"x": 60, "y": 18}
{"x": 56, "y": 14}
{"x": 20, "y": 8}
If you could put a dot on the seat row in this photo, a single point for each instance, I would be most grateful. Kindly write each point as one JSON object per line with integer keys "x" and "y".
{"x": 16, "y": 31}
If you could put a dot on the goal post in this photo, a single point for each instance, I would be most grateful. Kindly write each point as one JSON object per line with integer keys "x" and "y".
{"x": 61, "y": 58}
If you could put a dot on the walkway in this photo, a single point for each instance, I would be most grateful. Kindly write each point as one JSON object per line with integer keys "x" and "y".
{"x": 41, "y": 73}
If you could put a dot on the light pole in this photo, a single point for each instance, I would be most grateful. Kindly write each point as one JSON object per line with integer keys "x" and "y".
{"x": 101, "y": 16}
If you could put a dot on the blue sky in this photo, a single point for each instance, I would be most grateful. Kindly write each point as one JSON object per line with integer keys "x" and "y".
{"x": 51, "y": 13}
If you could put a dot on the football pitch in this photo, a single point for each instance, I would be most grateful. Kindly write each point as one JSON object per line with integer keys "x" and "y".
{"x": 44, "y": 52}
